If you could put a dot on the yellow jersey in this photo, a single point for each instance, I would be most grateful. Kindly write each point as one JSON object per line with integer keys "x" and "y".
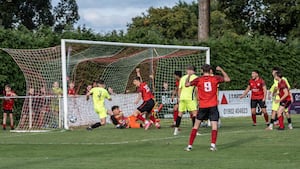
{"x": 187, "y": 93}
{"x": 99, "y": 96}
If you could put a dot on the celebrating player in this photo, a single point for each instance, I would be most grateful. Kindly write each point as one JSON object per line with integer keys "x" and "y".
{"x": 258, "y": 96}
{"x": 148, "y": 103}
{"x": 177, "y": 75}
{"x": 8, "y": 105}
{"x": 99, "y": 95}
{"x": 275, "y": 105}
{"x": 187, "y": 100}
{"x": 208, "y": 102}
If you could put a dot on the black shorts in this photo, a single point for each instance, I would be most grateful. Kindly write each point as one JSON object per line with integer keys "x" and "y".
{"x": 7, "y": 111}
{"x": 147, "y": 106}
{"x": 210, "y": 113}
{"x": 254, "y": 103}
{"x": 285, "y": 103}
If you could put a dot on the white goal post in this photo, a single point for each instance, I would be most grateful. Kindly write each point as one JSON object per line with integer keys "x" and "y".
{"x": 66, "y": 43}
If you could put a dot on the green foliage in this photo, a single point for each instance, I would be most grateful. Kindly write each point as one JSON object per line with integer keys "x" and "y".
{"x": 240, "y": 55}
{"x": 31, "y": 14}
{"x": 65, "y": 13}
{"x": 36, "y": 13}
{"x": 277, "y": 18}
{"x": 179, "y": 22}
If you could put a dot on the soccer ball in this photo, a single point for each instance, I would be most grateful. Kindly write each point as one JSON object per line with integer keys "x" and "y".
{"x": 73, "y": 119}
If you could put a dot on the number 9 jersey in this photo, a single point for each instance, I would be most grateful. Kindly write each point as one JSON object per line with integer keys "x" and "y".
{"x": 207, "y": 90}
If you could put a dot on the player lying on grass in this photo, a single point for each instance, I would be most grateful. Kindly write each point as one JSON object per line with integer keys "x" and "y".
{"x": 120, "y": 121}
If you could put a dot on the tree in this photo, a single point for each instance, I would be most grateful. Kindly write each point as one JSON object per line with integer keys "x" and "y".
{"x": 277, "y": 18}
{"x": 30, "y": 13}
{"x": 203, "y": 20}
{"x": 35, "y": 13}
{"x": 65, "y": 13}
{"x": 178, "y": 22}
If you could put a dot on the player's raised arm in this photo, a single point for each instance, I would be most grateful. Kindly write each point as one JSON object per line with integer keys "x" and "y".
{"x": 138, "y": 74}
{"x": 225, "y": 75}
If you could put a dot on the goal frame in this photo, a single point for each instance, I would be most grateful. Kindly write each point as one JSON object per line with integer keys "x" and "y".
{"x": 64, "y": 61}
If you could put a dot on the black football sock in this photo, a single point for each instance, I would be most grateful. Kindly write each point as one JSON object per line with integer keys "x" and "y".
{"x": 96, "y": 125}
{"x": 178, "y": 121}
{"x": 289, "y": 120}
{"x": 193, "y": 121}
{"x": 272, "y": 121}
{"x": 276, "y": 118}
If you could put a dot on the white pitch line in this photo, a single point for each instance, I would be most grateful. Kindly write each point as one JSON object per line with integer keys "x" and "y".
{"x": 126, "y": 142}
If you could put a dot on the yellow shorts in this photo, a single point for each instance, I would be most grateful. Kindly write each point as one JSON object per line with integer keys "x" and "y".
{"x": 101, "y": 111}
{"x": 275, "y": 107}
{"x": 187, "y": 105}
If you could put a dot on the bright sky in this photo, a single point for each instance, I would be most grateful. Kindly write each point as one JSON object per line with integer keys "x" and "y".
{"x": 103, "y": 16}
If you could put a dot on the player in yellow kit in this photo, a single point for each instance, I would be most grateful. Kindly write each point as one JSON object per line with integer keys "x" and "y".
{"x": 186, "y": 97}
{"x": 99, "y": 95}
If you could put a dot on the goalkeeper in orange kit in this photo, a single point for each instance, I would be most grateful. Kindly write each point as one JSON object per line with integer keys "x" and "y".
{"x": 120, "y": 121}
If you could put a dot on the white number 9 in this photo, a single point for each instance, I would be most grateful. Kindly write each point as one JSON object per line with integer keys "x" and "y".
{"x": 207, "y": 87}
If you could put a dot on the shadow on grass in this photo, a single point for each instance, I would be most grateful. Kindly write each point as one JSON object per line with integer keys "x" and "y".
{"x": 238, "y": 142}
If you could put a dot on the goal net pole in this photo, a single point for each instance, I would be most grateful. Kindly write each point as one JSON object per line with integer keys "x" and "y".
{"x": 64, "y": 83}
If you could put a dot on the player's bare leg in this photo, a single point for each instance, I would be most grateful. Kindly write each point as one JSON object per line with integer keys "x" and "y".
{"x": 4, "y": 121}
{"x": 253, "y": 115}
{"x": 11, "y": 118}
{"x": 266, "y": 116}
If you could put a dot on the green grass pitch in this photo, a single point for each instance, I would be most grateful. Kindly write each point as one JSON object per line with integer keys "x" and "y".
{"x": 240, "y": 146}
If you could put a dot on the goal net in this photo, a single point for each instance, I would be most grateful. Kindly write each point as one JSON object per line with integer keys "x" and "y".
{"x": 83, "y": 62}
